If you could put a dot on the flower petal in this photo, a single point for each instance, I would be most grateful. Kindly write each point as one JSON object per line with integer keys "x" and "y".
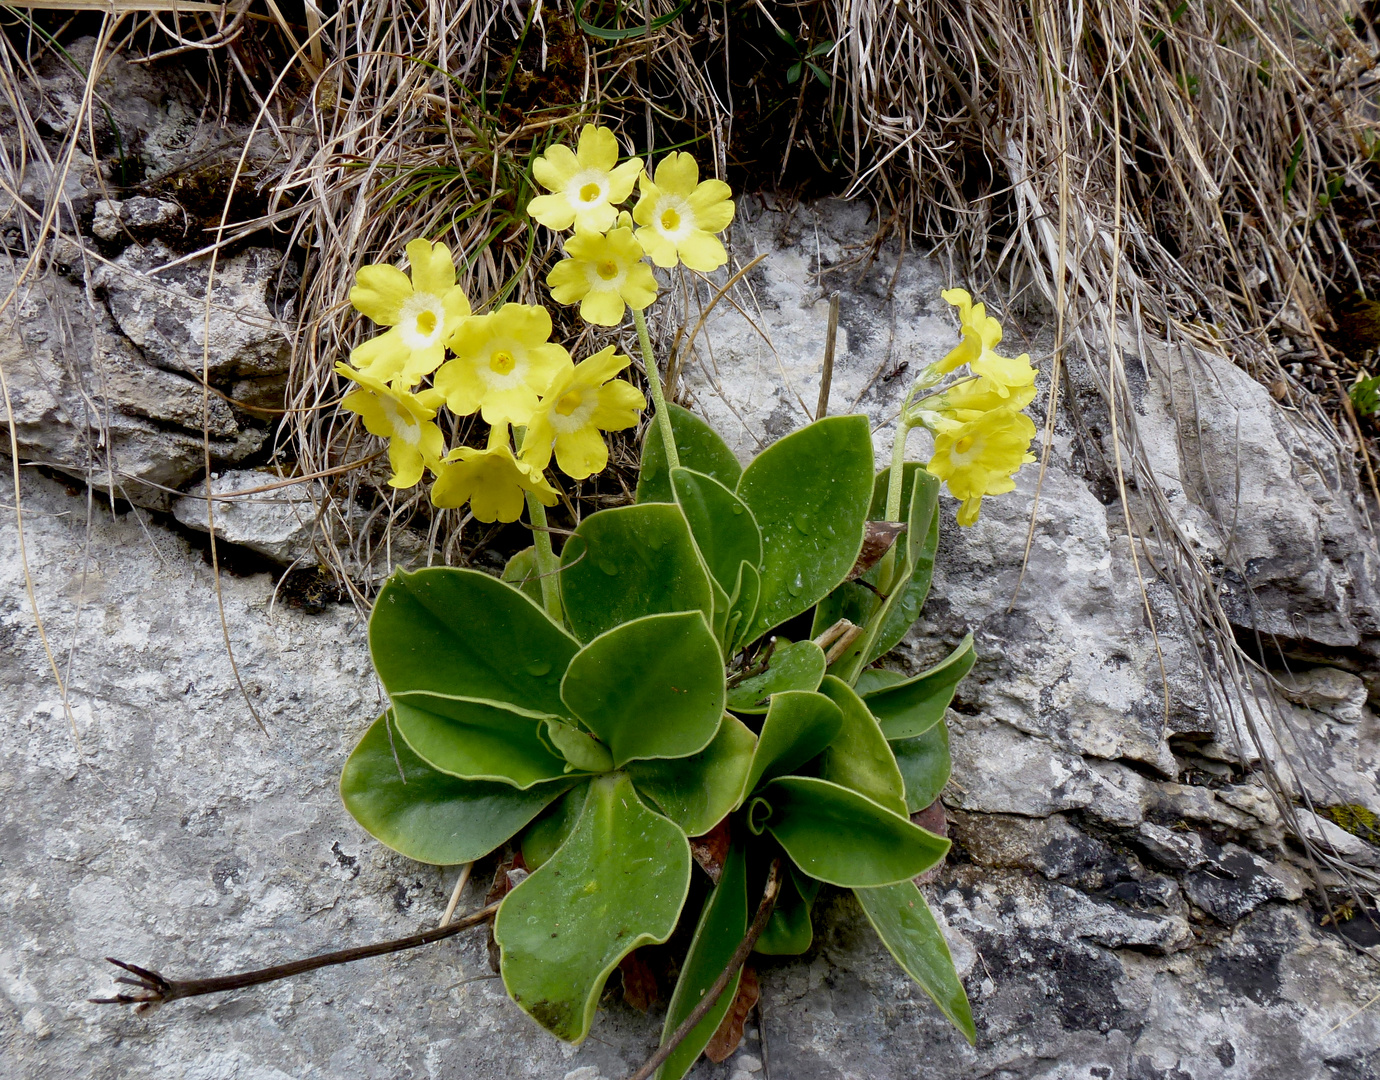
{"x": 701, "y": 251}
{"x": 555, "y": 167}
{"x": 604, "y": 308}
{"x": 639, "y": 290}
{"x": 536, "y": 444}
{"x": 581, "y": 453}
{"x": 382, "y": 357}
{"x": 678, "y": 173}
{"x": 568, "y": 282}
{"x": 379, "y": 293}
{"x": 553, "y": 211}
{"x": 598, "y": 148}
{"x": 433, "y": 269}
{"x": 407, "y": 464}
{"x": 463, "y": 389}
{"x": 622, "y": 178}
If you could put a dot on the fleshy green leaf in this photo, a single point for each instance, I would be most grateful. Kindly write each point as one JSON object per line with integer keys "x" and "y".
{"x": 427, "y": 815}
{"x": 907, "y": 928}
{"x": 723, "y": 527}
{"x": 876, "y": 679}
{"x": 789, "y": 931}
{"x": 699, "y": 447}
{"x": 859, "y": 756}
{"x": 809, "y": 492}
{"x": 618, "y": 881}
{"x": 742, "y": 608}
{"x": 547, "y": 833}
{"x": 628, "y": 562}
{"x": 579, "y": 748}
{"x": 651, "y": 688}
{"x": 911, "y": 708}
{"x": 464, "y": 634}
{"x": 798, "y": 726}
{"x": 475, "y": 741}
{"x": 523, "y": 574}
{"x": 699, "y": 791}
{"x": 841, "y": 837}
{"x": 925, "y": 765}
{"x": 794, "y": 665}
{"x": 723, "y": 922}
{"x": 920, "y": 509}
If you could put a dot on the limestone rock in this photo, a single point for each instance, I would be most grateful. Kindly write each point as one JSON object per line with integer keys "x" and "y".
{"x": 1234, "y": 882}
{"x": 279, "y": 523}
{"x": 141, "y": 217}
{"x": 164, "y": 311}
{"x": 1336, "y": 840}
{"x": 86, "y": 402}
{"x": 1329, "y": 690}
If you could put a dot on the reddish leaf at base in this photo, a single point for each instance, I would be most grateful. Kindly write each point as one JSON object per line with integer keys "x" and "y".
{"x": 639, "y": 984}
{"x": 730, "y": 1032}
{"x": 507, "y": 875}
{"x": 711, "y": 849}
{"x": 936, "y": 821}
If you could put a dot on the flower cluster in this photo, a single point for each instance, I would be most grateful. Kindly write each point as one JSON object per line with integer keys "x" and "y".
{"x": 673, "y": 221}
{"x": 981, "y": 436}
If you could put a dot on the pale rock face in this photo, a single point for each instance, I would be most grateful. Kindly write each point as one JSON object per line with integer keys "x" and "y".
{"x": 1121, "y": 901}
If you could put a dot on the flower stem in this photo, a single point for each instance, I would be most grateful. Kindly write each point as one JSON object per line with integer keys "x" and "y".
{"x": 895, "y": 483}
{"x": 547, "y": 567}
{"x": 663, "y": 418}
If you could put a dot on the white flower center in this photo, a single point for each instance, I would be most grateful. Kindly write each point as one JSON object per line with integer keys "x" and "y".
{"x": 605, "y": 275}
{"x": 587, "y": 188}
{"x": 505, "y": 366}
{"x": 675, "y": 217}
{"x": 966, "y": 449}
{"x": 404, "y": 426}
{"x": 573, "y": 410}
{"x": 422, "y": 321}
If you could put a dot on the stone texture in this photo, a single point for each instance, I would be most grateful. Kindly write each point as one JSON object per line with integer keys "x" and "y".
{"x": 87, "y": 402}
{"x": 280, "y": 523}
{"x": 163, "y": 312}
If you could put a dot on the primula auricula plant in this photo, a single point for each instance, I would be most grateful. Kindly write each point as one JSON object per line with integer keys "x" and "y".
{"x": 601, "y": 705}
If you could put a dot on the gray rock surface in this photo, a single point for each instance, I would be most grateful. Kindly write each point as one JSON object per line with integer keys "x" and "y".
{"x": 279, "y": 523}
{"x": 1123, "y": 900}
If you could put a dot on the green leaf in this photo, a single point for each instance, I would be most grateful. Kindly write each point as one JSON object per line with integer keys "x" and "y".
{"x": 579, "y": 748}
{"x": 699, "y": 447}
{"x": 427, "y": 815}
{"x": 913, "y": 707}
{"x": 920, "y": 509}
{"x": 547, "y": 833}
{"x": 841, "y": 837}
{"x": 809, "y": 492}
{"x": 793, "y": 73}
{"x": 724, "y": 530}
{"x": 523, "y": 574}
{"x": 651, "y": 688}
{"x": 699, "y": 791}
{"x": 876, "y": 679}
{"x": 464, "y": 634}
{"x": 794, "y": 665}
{"x": 742, "y": 608}
{"x": 475, "y": 741}
{"x": 789, "y": 931}
{"x": 907, "y": 928}
{"x": 723, "y": 922}
{"x": 859, "y": 757}
{"x": 887, "y": 620}
{"x": 799, "y": 725}
{"x": 925, "y": 765}
{"x": 628, "y": 562}
{"x": 618, "y": 881}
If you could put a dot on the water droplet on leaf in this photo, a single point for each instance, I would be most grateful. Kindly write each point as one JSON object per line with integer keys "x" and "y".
{"x": 538, "y": 668}
{"x": 609, "y": 567}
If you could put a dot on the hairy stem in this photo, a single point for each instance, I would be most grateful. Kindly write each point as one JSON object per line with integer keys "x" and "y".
{"x": 895, "y": 483}
{"x": 547, "y": 566}
{"x": 663, "y": 418}
{"x": 154, "y": 989}
{"x": 737, "y": 960}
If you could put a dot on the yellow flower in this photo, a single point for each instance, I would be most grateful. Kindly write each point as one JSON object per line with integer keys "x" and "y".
{"x": 422, "y": 314}
{"x": 981, "y": 335}
{"x": 401, "y": 417}
{"x": 981, "y": 457}
{"x": 602, "y": 274}
{"x": 971, "y": 398}
{"x": 679, "y": 215}
{"x": 586, "y": 185}
{"x": 581, "y": 403}
{"x": 492, "y": 481}
{"x": 503, "y": 361}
